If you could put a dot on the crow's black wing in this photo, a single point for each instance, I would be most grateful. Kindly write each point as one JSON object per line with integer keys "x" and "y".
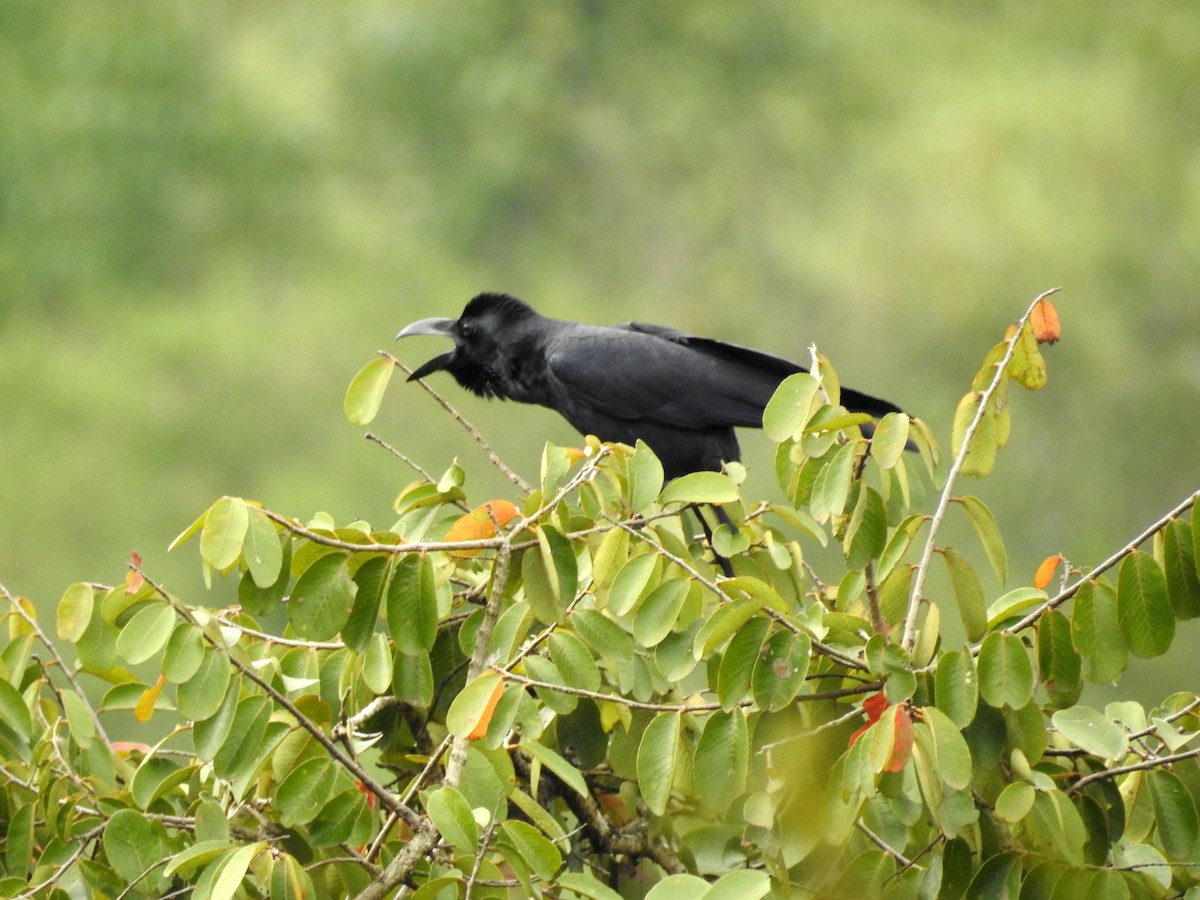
{"x": 661, "y": 375}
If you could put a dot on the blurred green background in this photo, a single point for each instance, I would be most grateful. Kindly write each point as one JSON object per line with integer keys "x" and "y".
{"x": 211, "y": 215}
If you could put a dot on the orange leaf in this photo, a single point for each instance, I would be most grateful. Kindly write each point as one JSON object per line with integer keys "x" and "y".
{"x": 902, "y": 746}
{"x": 481, "y": 523}
{"x": 145, "y": 705}
{"x": 1045, "y": 572}
{"x": 1044, "y": 318}
{"x": 615, "y": 808}
{"x": 874, "y": 706}
{"x": 485, "y": 719}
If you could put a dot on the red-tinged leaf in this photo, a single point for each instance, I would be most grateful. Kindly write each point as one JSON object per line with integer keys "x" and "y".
{"x": 133, "y": 582}
{"x": 134, "y": 558}
{"x": 902, "y": 747}
{"x": 145, "y": 705}
{"x": 485, "y": 717}
{"x": 1044, "y": 318}
{"x": 874, "y": 706}
{"x": 481, "y": 523}
{"x": 1045, "y": 572}
{"x": 127, "y": 747}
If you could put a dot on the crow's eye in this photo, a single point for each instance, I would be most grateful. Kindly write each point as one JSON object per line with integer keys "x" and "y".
{"x": 468, "y": 327}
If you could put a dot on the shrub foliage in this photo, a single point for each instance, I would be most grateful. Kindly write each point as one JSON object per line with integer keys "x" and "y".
{"x": 556, "y": 694}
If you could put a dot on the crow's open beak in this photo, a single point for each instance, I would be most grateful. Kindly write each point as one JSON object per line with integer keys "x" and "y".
{"x": 430, "y": 326}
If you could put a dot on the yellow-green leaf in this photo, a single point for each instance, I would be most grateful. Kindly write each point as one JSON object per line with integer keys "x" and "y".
{"x": 365, "y": 393}
{"x": 223, "y": 532}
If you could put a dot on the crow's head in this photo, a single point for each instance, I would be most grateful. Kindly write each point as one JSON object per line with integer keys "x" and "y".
{"x": 484, "y": 338}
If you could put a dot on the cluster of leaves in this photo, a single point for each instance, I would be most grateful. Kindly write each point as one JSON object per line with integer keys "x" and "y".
{"x": 559, "y": 696}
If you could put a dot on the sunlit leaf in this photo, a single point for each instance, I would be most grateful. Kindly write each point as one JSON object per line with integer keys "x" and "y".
{"x": 365, "y": 393}
{"x": 1091, "y": 731}
{"x": 1045, "y": 571}
{"x": 790, "y": 406}
{"x": 75, "y": 611}
{"x": 451, "y": 813}
{"x": 322, "y": 598}
{"x": 474, "y": 704}
{"x": 1027, "y": 366}
{"x": 700, "y": 487}
{"x": 480, "y": 523}
{"x": 223, "y": 532}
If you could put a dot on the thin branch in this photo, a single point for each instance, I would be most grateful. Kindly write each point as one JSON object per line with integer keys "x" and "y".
{"x": 1145, "y": 764}
{"x": 63, "y": 667}
{"x": 879, "y": 842}
{"x": 512, "y": 476}
{"x": 369, "y": 782}
{"x": 1065, "y": 595}
{"x": 918, "y": 587}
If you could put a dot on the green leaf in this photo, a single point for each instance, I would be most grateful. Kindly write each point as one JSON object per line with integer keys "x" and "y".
{"x": 1058, "y": 662}
{"x": 1096, "y": 632}
{"x": 365, "y": 393}
{"x": 657, "y": 614}
{"x": 1143, "y": 610}
{"x": 630, "y": 583}
{"x": 968, "y": 593}
{"x": 738, "y": 661}
{"x": 452, "y": 815}
{"x": 412, "y": 607}
{"x": 304, "y": 790}
{"x": 133, "y": 844}
{"x": 990, "y": 435}
{"x": 558, "y": 558}
{"x": 866, "y": 535}
{"x": 790, "y": 406}
{"x": 1015, "y": 802}
{"x": 210, "y": 734}
{"x": 1173, "y": 546}
{"x": 889, "y": 440}
{"x": 412, "y": 679}
{"x": 240, "y": 748}
{"x": 656, "y": 759}
{"x": 740, "y": 884}
{"x": 1175, "y": 815}
{"x": 780, "y": 669}
{"x": 956, "y": 687}
{"x": 700, "y": 487}
{"x": 261, "y": 549}
{"x": 75, "y": 611}
{"x": 574, "y": 661}
{"x": 233, "y": 870}
{"x": 183, "y": 654}
{"x": 541, "y": 855}
{"x": 377, "y": 664}
{"x": 1054, "y": 825}
{"x": 1005, "y": 672}
{"x": 950, "y": 755}
{"x": 223, "y": 532}
{"x": 679, "y": 887}
{"x": 603, "y": 635}
{"x": 79, "y": 718}
{"x": 722, "y": 758}
{"x": 201, "y": 695}
{"x": 1013, "y": 604}
{"x": 1027, "y": 366}
{"x": 985, "y": 526}
{"x": 567, "y": 773}
{"x": 370, "y": 580}
{"x": 13, "y": 711}
{"x": 1091, "y": 731}
{"x": 586, "y": 885}
{"x": 645, "y": 474}
{"x": 831, "y": 490}
{"x": 322, "y": 598}
{"x": 146, "y": 633}
{"x": 196, "y": 856}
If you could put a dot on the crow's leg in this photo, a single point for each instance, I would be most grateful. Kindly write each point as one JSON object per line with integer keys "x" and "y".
{"x": 722, "y": 516}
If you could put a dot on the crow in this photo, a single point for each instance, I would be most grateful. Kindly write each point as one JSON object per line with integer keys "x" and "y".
{"x": 683, "y": 395}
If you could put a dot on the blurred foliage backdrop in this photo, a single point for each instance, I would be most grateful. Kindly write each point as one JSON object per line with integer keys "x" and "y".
{"x": 212, "y": 214}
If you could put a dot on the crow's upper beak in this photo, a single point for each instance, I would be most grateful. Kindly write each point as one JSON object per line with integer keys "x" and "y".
{"x": 430, "y": 326}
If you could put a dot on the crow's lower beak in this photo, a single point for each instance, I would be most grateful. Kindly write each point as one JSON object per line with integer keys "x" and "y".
{"x": 430, "y": 326}
{"x": 427, "y": 326}
{"x": 434, "y": 365}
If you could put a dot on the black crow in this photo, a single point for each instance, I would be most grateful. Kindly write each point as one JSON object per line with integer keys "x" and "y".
{"x": 682, "y": 395}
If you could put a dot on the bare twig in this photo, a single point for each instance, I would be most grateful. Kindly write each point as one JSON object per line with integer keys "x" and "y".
{"x": 1153, "y": 763}
{"x": 918, "y": 586}
{"x": 1065, "y": 595}
{"x": 63, "y": 667}
{"x": 512, "y": 476}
